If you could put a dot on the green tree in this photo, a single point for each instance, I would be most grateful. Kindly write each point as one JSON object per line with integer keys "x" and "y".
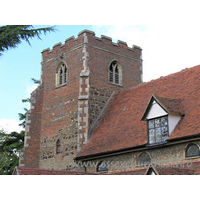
{"x": 22, "y": 116}
{"x": 10, "y": 146}
{"x": 12, "y": 35}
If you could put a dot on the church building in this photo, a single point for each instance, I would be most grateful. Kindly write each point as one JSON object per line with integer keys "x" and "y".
{"x": 93, "y": 114}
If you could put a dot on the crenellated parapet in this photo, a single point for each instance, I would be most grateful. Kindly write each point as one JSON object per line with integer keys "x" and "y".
{"x": 104, "y": 43}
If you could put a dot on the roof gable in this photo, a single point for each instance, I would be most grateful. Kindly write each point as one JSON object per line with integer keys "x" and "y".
{"x": 167, "y": 106}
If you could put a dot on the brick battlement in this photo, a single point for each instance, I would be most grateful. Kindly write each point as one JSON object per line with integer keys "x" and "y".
{"x": 103, "y": 43}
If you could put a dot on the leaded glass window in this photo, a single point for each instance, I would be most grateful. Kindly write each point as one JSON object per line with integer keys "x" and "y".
{"x": 144, "y": 159}
{"x": 158, "y": 130}
{"x": 102, "y": 167}
{"x": 192, "y": 150}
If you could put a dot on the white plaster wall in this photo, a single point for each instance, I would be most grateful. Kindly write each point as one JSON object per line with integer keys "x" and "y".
{"x": 173, "y": 121}
{"x": 155, "y": 111}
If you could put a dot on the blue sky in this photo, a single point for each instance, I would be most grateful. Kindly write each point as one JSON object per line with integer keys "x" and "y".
{"x": 166, "y": 49}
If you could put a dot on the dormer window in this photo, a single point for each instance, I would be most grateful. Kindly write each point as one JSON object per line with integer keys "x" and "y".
{"x": 162, "y": 116}
{"x": 158, "y": 130}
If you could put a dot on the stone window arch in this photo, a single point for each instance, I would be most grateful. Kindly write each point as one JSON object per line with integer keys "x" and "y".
{"x": 115, "y": 73}
{"x": 58, "y": 146}
{"x": 102, "y": 167}
{"x": 192, "y": 150}
{"x": 61, "y": 74}
{"x": 143, "y": 159}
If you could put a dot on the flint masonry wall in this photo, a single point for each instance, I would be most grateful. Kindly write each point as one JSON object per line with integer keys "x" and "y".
{"x": 173, "y": 155}
{"x": 59, "y": 111}
{"x": 102, "y": 51}
{"x": 67, "y": 112}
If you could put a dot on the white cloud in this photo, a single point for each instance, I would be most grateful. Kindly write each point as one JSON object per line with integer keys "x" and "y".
{"x": 9, "y": 125}
{"x": 30, "y": 89}
{"x": 167, "y": 48}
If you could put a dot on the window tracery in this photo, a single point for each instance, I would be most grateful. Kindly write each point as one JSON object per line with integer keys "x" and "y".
{"x": 115, "y": 73}
{"x": 61, "y": 75}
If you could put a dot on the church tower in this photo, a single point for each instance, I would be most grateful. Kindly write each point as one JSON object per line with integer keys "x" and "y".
{"x": 77, "y": 80}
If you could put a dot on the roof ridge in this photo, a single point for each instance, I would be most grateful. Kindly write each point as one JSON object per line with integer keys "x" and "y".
{"x": 162, "y": 77}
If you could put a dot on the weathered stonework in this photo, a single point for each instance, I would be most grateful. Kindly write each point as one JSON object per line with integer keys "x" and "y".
{"x": 67, "y": 112}
{"x": 49, "y": 159}
{"x": 98, "y": 99}
{"x": 173, "y": 155}
{"x": 83, "y": 99}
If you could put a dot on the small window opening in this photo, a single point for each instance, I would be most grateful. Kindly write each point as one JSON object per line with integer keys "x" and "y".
{"x": 58, "y": 147}
{"x": 192, "y": 151}
{"x": 102, "y": 167}
{"x": 144, "y": 159}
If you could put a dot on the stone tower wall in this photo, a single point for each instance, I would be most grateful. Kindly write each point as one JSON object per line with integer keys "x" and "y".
{"x": 102, "y": 51}
{"x": 67, "y": 112}
{"x": 59, "y": 111}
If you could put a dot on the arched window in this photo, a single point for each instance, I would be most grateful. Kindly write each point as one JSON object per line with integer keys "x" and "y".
{"x": 58, "y": 146}
{"x": 192, "y": 150}
{"x": 61, "y": 76}
{"x": 102, "y": 167}
{"x": 115, "y": 73}
{"x": 144, "y": 159}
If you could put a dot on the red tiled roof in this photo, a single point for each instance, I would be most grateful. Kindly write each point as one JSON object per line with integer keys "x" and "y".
{"x": 130, "y": 172}
{"x": 173, "y": 171}
{"x": 34, "y": 171}
{"x": 193, "y": 168}
{"x": 171, "y": 106}
{"x": 121, "y": 126}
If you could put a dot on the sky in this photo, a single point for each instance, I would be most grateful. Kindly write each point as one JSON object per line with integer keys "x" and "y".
{"x": 170, "y": 41}
{"x": 166, "y": 49}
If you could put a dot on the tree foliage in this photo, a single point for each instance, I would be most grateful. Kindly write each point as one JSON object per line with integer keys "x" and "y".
{"x": 22, "y": 116}
{"x": 10, "y": 146}
{"x": 12, "y": 35}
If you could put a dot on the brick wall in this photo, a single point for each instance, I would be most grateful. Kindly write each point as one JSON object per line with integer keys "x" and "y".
{"x": 29, "y": 157}
{"x": 66, "y": 112}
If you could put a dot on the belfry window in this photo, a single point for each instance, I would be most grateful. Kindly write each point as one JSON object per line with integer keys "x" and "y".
{"x": 158, "y": 130}
{"x": 115, "y": 73}
{"x": 58, "y": 146}
{"x": 61, "y": 76}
